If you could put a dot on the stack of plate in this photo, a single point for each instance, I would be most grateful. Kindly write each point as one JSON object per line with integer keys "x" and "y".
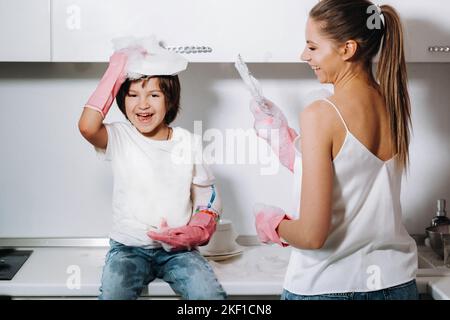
{"x": 222, "y": 244}
{"x": 215, "y": 256}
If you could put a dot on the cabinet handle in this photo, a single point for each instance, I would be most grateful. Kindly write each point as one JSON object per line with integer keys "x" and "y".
{"x": 190, "y": 49}
{"x": 445, "y": 49}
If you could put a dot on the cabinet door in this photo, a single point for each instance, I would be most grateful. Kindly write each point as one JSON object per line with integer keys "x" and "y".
{"x": 261, "y": 30}
{"x": 25, "y": 30}
{"x": 427, "y": 29}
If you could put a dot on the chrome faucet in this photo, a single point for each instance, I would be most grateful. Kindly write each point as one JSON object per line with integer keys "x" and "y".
{"x": 441, "y": 214}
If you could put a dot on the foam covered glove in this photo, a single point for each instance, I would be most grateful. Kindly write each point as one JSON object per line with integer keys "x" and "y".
{"x": 103, "y": 96}
{"x": 275, "y": 130}
{"x": 267, "y": 219}
{"x": 197, "y": 232}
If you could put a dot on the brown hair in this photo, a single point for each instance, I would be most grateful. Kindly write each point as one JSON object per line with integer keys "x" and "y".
{"x": 342, "y": 20}
{"x": 170, "y": 87}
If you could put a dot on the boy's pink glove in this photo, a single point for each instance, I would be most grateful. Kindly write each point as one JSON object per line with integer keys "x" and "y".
{"x": 197, "y": 232}
{"x": 267, "y": 219}
{"x": 282, "y": 144}
{"x": 103, "y": 96}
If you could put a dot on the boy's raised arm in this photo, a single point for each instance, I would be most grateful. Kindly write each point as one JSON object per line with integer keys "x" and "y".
{"x": 91, "y": 121}
{"x": 92, "y": 128}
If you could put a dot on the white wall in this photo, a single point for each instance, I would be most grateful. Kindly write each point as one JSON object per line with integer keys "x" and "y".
{"x": 52, "y": 184}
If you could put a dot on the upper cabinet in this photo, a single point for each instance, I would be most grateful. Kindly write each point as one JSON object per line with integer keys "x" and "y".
{"x": 25, "y": 30}
{"x": 427, "y": 29}
{"x": 202, "y": 30}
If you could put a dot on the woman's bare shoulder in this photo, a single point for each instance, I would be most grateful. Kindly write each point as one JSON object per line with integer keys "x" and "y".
{"x": 319, "y": 111}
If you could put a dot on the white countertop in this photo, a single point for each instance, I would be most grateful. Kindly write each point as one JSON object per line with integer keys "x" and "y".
{"x": 259, "y": 271}
{"x": 54, "y": 272}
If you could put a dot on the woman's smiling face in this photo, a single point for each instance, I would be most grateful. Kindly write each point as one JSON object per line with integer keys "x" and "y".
{"x": 145, "y": 106}
{"x": 321, "y": 54}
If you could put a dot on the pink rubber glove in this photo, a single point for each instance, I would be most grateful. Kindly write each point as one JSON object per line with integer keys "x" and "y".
{"x": 267, "y": 219}
{"x": 197, "y": 232}
{"x": 276, "y": 126}
{"x": 103, "y": 96}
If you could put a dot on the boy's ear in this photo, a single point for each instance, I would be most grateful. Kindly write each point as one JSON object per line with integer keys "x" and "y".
{"x": 348, "y": 49}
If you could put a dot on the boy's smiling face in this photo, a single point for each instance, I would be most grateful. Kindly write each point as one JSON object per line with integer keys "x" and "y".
{"x": 145, "y": 106}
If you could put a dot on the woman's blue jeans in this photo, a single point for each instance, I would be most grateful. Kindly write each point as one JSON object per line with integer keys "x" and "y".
{"x": 129, "y": 269}
{"x": 406, "y": 291}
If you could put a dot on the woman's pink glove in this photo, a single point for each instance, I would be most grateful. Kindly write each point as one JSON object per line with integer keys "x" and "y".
{"x": 267, "y": 219}
{"x": 275, "y": 130}
{"x": 197, "y": 232}
{"x": 103, "y": 96}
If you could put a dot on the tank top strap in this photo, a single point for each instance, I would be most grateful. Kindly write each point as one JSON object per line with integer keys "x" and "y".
{"x": 337, "y": 110}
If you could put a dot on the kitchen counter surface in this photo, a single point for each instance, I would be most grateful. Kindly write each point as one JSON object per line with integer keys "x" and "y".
{"x": 76, "y": 271}
{"x": 258, "y": 272}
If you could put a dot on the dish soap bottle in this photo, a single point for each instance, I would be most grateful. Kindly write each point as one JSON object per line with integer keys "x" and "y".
{"x": 441, "y": 215}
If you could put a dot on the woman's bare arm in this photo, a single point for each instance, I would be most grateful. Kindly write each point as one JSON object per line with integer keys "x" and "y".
{"x": 311, "y": 230}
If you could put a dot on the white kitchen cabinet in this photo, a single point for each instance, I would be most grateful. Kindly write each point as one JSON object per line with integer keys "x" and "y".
{"x": 427, "y": 29}
{"x": 261, "y": 30}
{"x": 25, "y": 30}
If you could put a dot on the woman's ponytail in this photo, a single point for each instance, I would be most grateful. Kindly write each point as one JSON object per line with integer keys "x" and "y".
{"x": 391, "y": 74}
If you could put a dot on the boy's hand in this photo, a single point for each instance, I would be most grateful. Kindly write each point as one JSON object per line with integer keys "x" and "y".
{"x": 106, "y": 91}
{"x": 197, "y": 232}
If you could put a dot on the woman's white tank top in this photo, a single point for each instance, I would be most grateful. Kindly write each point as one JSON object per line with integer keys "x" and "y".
{"x": 367, "y": 248}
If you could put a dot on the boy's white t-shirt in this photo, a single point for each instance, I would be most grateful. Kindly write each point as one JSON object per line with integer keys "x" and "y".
{"x": 152, "y": 180}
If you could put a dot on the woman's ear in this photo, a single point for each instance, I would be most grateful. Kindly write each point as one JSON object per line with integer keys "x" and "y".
{"x": 348, "y": 50}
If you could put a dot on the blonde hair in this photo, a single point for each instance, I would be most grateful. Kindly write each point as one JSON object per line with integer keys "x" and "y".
{"x": 391, "y": 74}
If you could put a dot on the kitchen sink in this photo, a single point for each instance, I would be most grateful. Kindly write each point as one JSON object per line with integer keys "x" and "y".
{"x": 424, "y": 263}
{"x": 11, "y": 261}
{"x": 430, "y": 264}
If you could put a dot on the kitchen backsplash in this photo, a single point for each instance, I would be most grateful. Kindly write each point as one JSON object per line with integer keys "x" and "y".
{"x": 52, "y": 184}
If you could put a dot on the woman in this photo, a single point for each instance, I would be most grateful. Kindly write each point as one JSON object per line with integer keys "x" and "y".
{"x": 348, "y": 237}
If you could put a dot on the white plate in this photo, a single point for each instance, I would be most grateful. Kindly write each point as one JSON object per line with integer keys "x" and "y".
{"x": 221, "y": 256}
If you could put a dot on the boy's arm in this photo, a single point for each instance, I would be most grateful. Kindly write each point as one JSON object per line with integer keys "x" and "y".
{"x": 207, "y": 209}
{"x": 92, "y": 128}
{"x": 206, "y": 198}
{"x": 91, "y": 121}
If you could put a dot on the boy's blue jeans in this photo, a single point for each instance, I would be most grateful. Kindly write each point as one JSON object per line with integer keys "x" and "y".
{"x": 405, "y": 291}
{"x": 129, "y": 269}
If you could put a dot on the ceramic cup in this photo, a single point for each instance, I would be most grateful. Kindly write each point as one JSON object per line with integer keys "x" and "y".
{"x": 223, "y": 241}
